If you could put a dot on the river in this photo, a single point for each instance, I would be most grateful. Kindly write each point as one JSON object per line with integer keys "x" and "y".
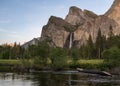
{"x": 63, "y": 78}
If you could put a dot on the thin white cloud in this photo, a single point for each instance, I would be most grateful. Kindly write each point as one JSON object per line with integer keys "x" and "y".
{"x": 5, "y": 21}
{"x": 10, "y": 33}
{"x": 2, "y": 30}
{"x": 13, "y": 32}
{"x": 15, "y": 35}
{"x": 6, "y": 31}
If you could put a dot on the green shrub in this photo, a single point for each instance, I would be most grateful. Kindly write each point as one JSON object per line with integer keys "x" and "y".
{"x": 59, "y": 58}
{"x": 111, "y": 57}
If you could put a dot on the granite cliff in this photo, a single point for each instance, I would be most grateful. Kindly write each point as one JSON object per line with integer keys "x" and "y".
{"x": 74, "y": 30}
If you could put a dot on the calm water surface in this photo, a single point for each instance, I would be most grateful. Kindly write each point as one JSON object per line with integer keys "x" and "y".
{"x": 64, "y": 78}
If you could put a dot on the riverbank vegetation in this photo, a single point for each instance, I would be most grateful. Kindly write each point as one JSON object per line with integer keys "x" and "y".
{"x": 103, "y": 54}
{"x": 37, "y": 64}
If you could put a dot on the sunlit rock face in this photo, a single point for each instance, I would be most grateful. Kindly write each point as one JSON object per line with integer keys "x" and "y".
{"x": 74, "y": 30}
{"x": 114, "y": 11}
{"x": 77, "y": 16}
{"x": 57, "y": 30}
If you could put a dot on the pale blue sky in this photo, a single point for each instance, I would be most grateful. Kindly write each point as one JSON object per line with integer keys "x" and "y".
{"x": 22, "y": 20}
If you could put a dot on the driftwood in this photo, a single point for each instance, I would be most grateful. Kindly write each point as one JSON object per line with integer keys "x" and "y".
{"x": 103, "y": 73}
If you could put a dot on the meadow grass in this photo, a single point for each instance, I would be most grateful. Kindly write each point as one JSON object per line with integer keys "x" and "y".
{"x": 87, "y": 64}
{"x": 11, "y": 62}
{"x": 92, "y": 61}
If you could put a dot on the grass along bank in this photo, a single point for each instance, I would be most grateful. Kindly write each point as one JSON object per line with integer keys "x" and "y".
{"x": 9, "y": 62}
{"x": 16, "y": 65}
{"x": 7, "y": 65}
{"x": 93, "y": 61}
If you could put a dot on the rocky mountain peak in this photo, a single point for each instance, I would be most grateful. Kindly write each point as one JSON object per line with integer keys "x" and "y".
{"x": 75, "y": 16}
{"x": 75, "y": 11}
{"x": 114, "y": 11}
{"x": 75, "y": 29}
{"x": 56, "y": 20}
{"x": 90, "y": 14}
{"x": 59, "y": 22}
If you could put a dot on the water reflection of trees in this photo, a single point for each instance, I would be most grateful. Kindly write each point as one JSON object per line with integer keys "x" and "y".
{"x": 51, "y": 79}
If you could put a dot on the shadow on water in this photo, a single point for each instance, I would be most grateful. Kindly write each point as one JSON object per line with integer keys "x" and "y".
{"x": 57, "y": 79}
{"x": 73, "y": 79}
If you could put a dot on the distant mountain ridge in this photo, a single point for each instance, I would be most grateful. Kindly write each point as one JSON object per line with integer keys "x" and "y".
{"x": 34, "y": 41}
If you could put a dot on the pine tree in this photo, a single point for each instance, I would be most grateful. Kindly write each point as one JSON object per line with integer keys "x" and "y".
{"x": 110, "y": 41}
{"x": 90, "y": 47}
{"x": 111, "y": 34}
{"x": 99, "y": 43}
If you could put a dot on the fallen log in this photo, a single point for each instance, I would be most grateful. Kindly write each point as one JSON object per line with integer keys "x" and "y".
{"x": 103, "y": 73}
